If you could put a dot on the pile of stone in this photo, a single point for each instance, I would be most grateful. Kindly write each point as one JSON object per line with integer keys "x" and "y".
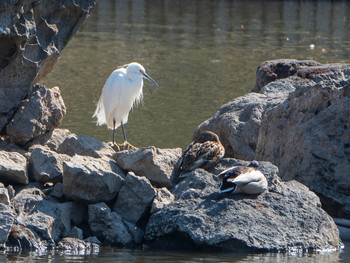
{"x": 71, "y": 192}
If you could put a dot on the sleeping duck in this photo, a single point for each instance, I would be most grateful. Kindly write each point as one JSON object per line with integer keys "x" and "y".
{"x": 204, "y": 152}
{"x": 243, "y": 179}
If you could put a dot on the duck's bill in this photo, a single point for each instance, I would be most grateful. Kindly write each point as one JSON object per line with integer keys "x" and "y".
{"x": 150, "y": 79}
{"x": 227, "y": 187}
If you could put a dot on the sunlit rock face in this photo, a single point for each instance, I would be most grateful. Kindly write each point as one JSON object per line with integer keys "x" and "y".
{"x": 297, "y": 117}
{"x": 32, "y": 35}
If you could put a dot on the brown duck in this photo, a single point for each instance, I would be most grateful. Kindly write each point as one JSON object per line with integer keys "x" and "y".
{"x": 204, "y": 152}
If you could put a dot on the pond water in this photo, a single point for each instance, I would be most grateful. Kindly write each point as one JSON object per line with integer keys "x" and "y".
{"x": 107, "y": 254}
{"x": 202, "y": 54}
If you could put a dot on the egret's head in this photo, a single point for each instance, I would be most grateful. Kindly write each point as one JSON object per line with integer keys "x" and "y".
{"x": 135, "y": 67}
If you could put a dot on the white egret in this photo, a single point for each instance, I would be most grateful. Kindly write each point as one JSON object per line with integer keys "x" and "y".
{"x": 122, "y": 90}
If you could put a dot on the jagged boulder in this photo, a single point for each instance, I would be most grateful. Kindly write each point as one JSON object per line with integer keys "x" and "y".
{"x": 111, "y": 229}
{"x": 237, "y": 122}
{"x": 157, "y": 165}
{"x": 75, "y": 245}
{"x": 64, "y": 142}
{"x": 7, "y": 218}
{"x": 162, "y": 198}
{"x": 91, "y": 180}
{"x": 46, "y": 165}
{"x": 286, "y": 216}
{"x": 298, "y": 120}
{"x": 32, "y": 35}
{"x": 49, "y": 219}
{"x": 308, "y": 138}
{"x": 41, "y": 111}
{"x": 270, "y": 71}
{"x": 135, "y": 198}
{"x": 13, "y": 167}
{"x": 25, "y": 239}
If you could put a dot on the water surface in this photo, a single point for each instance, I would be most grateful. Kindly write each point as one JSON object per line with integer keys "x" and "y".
{"x": 108, "y": 254}
{"x": 201, "y": 53}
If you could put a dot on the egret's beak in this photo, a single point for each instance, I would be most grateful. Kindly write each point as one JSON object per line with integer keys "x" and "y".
{"x": 149, "y": 78}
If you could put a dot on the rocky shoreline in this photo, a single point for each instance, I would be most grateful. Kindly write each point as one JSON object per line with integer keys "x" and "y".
{"x": 65, "y": 191}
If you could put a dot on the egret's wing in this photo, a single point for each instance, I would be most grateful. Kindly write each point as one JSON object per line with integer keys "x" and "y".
{"x": 251, "y": 175}
{"x": 100, "y": 112}
{"x": 111, "y": 94}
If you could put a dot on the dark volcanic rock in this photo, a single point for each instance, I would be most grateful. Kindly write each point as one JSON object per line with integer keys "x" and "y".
{"x": 270, "y": 71}
{"x": 91, "y": 180}
{"x": 299, "y": 121}
{"x": 41, "y": 111}
{"x": 33, "y": 33}
{"x": 13, "y": 167}
{"x": 111, "y": 229}
{"x": 65, "y": 142}
{"x": 24, "y": 239}
{"x": 155, "y": 164}
{"x": 43, "y": 215}
{"x": 237, "y": 122}
{"x": 287, "y": 216}
{"x": 76, "y": 245}
{"x": 308, "y": 138}
{"x": 45, "y": 165}
{"x": 134, "y": 198}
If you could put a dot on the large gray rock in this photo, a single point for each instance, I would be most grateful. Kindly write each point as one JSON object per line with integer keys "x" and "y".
{"x": 155, "y": 164}
{"x": 24, "y": 238}
{"x": 64, "y": 142}
{"x": 162, "y": 198}
{"x": 308, "y": 138}
{"x": 110, "y": 228}
{"x": 270, "y": 71}
{"x": 13, "y": 167}
{"x": 4, "y": 195}
{"x": 42, "y": 28}
{"x": 7, "y": 218}
{"x": 287, "y": 216}
{"x": 41, "y": 111}
{"x": 135, "y": 198}
{"x": 298, "y": 121}
{"x": 237, "y": 124}
{"x": 43, "y": 215}
{"x": 45, "y": 165}
{"x": 77, "y": 246}
{"x": 91, "y": 180}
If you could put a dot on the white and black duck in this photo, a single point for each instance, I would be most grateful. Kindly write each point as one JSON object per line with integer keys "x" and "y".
{"x": 243, "y": 179}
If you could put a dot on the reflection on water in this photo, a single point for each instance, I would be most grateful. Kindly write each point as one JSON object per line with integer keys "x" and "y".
{"x": 201, "y": 53}
{"x": 108, "y": 254}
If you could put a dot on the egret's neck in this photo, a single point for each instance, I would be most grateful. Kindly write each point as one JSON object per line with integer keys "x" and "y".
{"x": 136, "y": 80}
{"x": 134, "y": 76}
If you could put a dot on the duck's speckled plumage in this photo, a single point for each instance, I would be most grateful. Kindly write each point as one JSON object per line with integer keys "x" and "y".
{"x": 204, "y": 152}
{"x": 243, "y": 179}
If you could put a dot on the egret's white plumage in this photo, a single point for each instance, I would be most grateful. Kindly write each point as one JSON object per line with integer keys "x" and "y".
{"x": 122, "y": 90}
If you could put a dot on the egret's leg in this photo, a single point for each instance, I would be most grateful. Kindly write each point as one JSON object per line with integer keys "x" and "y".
{"x": 113, "y": 130}
{"x": 123, "y": 132}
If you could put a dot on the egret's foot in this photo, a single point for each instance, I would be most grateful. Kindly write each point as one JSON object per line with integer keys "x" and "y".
{"x": 125, "y": 146}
